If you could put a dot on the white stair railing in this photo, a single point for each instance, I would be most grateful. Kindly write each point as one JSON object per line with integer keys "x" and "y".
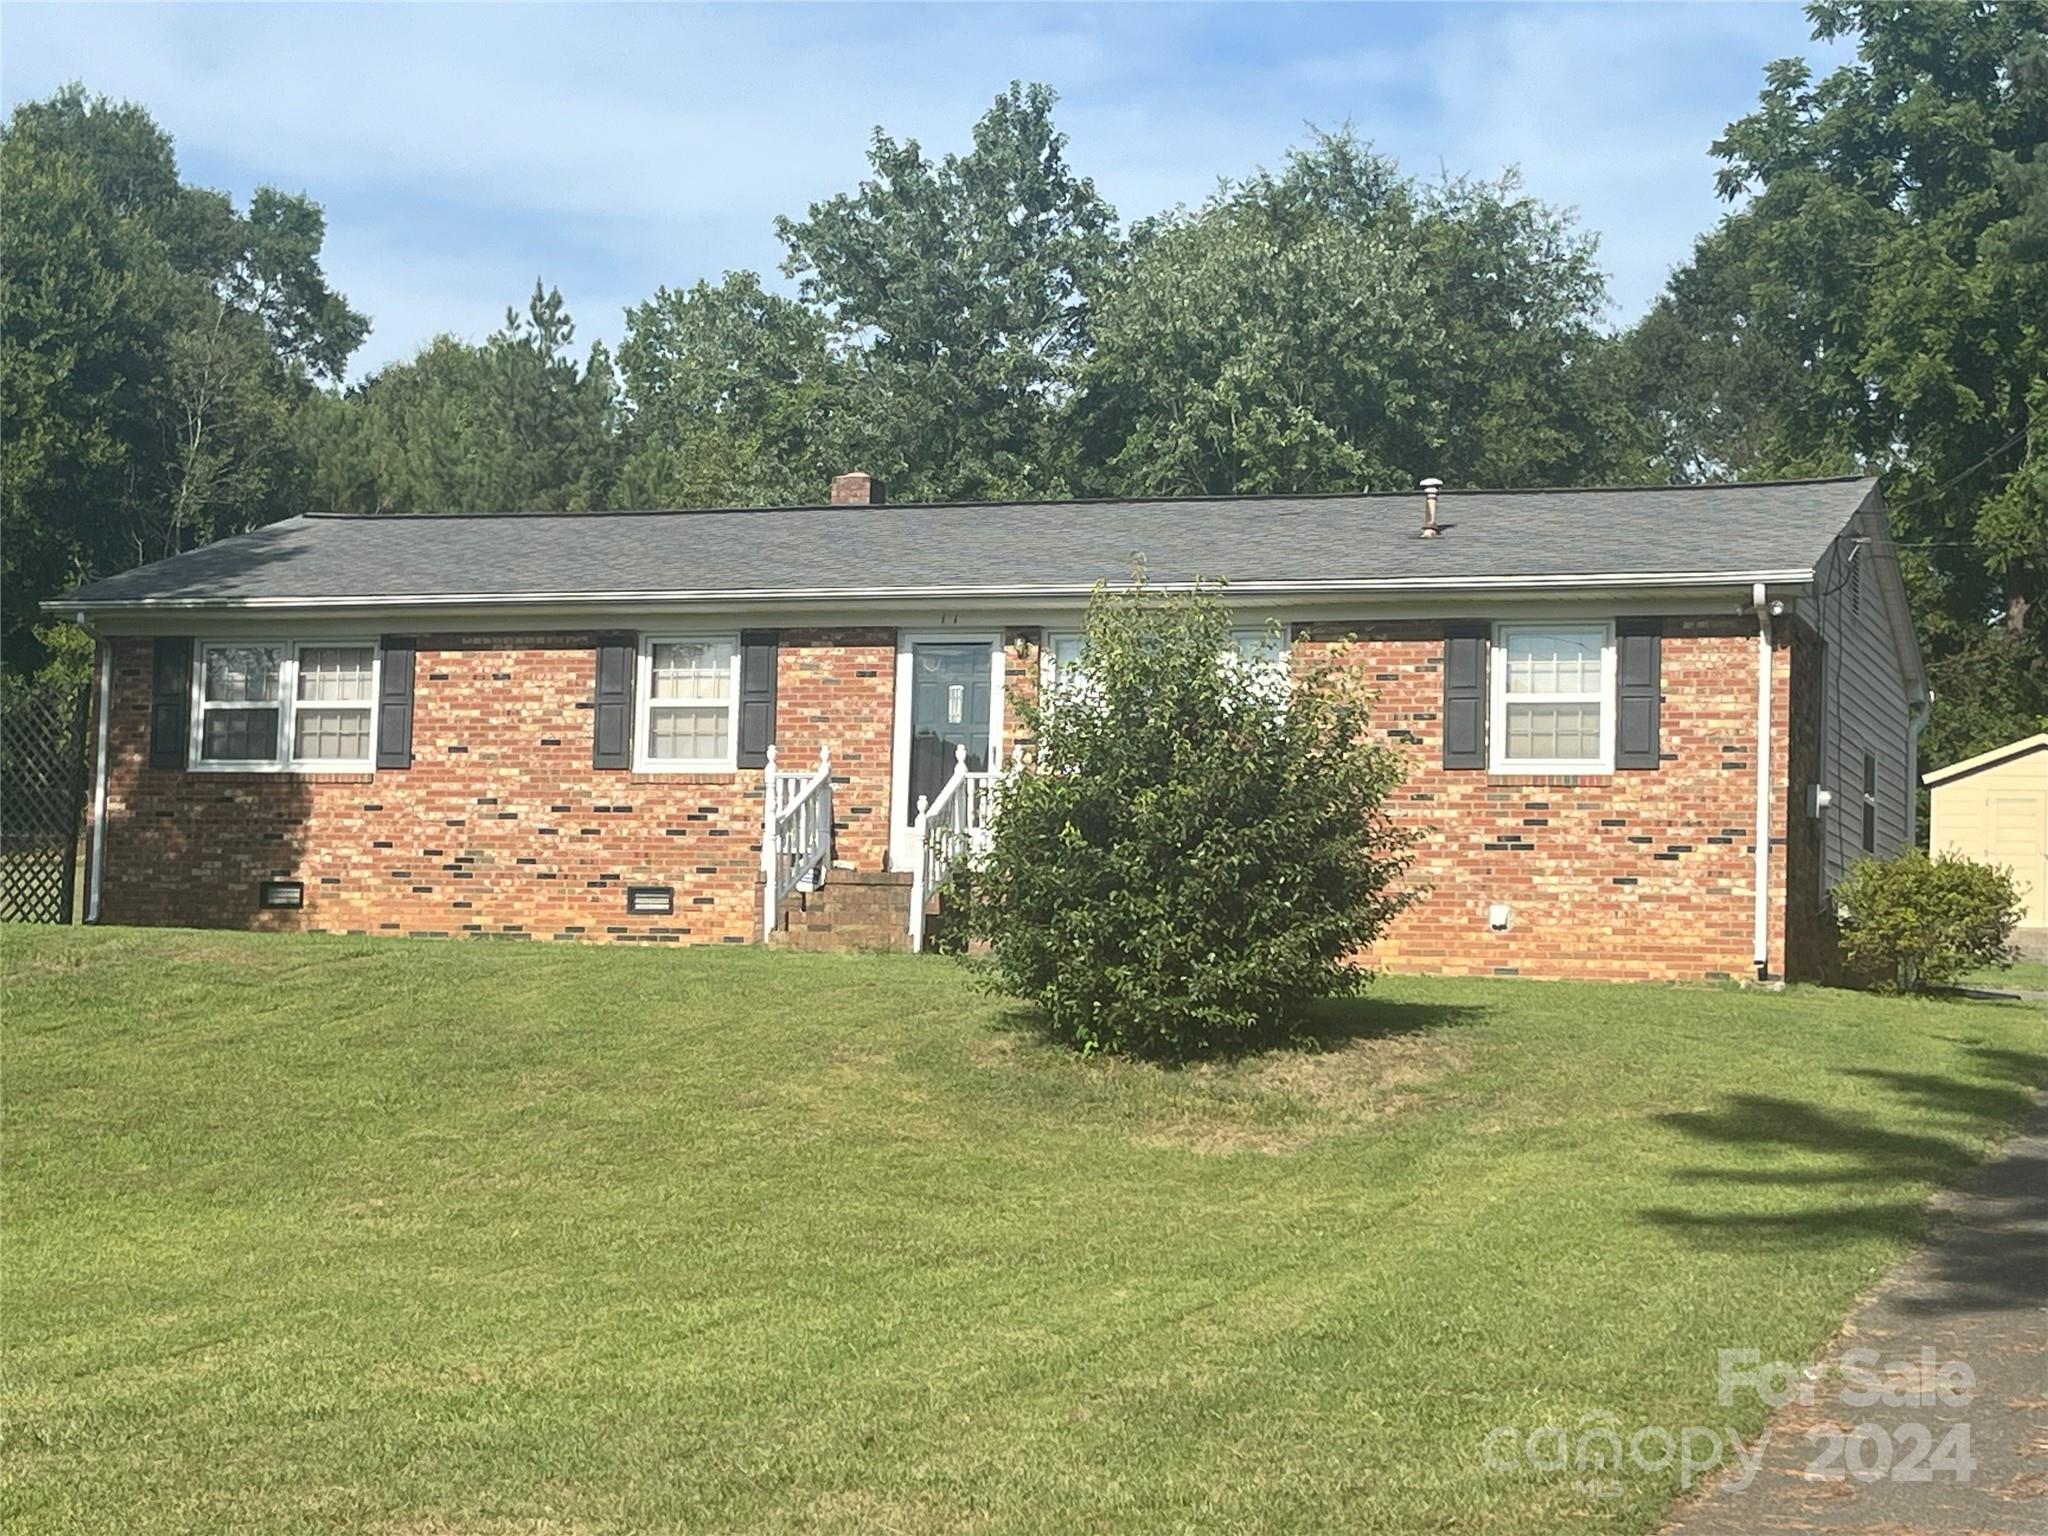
{"x": 796, "y": 834}
{"x": 951, "y": 827}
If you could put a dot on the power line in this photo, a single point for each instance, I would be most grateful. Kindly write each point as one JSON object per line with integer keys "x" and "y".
{"x": 1926, "y": 496}
{"x": 1939, "y": 544}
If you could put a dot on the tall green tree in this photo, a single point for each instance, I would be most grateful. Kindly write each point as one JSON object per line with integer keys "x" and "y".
{"x": 513, "y": 424}
{"x": 85, "y": 311}
{"x": 1528, "y": 382}
{"x": 156, "y": 348}
{"x": 1876, "y": 302}
{"x": 1337, "y": 325}
{"x": 736, "y": 398}
{"x": 964, "y": 284}
{"x": 1268, "y": 341}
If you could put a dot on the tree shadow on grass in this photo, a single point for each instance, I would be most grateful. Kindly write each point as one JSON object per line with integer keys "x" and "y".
{"x": 2027, "y": 1068}
{"x": 1344, "y": 1021}
{"x": 1852, "y": 1147}
{"x": 1334, "y": 1025}
{"x": 1947, "y": 1095}
{"x": 1996, "y": 1254}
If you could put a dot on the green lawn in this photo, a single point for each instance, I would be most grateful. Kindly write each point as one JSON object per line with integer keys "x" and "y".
{"x": 2027, "y": 976}
{"x": 316, "y": 1234}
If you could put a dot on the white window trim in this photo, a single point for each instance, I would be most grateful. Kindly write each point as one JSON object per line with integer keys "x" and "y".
{"x": 644, "y": 702}
{"x": 287, "y": 707}
{"x": 369, "y": 707}
{"x": 1497, "y": 757}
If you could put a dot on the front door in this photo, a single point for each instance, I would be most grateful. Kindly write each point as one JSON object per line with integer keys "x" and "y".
{"x": 950, "y": 694}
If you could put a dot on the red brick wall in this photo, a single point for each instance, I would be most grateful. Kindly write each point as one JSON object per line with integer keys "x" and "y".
{"x": 501, "y": 827}
{"x": 1634, "y": 875}
{"x": 837, "y": 688}
{"x": 1022, "y": 652}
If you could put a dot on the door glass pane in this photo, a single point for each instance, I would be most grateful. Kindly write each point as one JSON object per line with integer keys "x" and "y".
{"x": 950, "y": 699}
{"x": 239, "y": 735}
{"x": 242, "y": 674}
{"x": 1554, "y": 661}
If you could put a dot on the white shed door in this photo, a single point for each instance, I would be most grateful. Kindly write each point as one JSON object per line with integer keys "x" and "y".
{"x": 2019, "y": 832}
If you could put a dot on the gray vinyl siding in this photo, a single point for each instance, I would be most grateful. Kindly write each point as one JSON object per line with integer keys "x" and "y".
{"x": 1864, "y": 698}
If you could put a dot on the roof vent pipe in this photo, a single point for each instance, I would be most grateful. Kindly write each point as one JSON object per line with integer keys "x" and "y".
{"x": 1429, "y": 489}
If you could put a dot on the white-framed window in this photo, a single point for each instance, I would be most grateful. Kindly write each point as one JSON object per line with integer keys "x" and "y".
{"x": 1060, "y": 656}
{"x": 238, "y": 714}
{"x": 334, "y": 704}
{"x": 1061, "y": 681}
{"x": 263, "y": 705}
{"x": 1553, "y": 698}
{"x": 1259, "y": 646}
{"x": 688, "y": 703}
{"x": 1260, "y": 650}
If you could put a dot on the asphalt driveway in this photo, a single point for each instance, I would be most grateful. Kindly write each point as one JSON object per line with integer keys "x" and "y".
{"x": 1954, "y": 1346}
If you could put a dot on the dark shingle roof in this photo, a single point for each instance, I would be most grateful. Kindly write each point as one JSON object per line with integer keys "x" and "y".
{"x": 1329, "y": 542}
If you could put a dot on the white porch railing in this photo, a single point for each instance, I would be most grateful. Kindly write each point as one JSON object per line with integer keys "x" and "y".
{"x": 951, "y": 827}
{"x": 796, "y": 834}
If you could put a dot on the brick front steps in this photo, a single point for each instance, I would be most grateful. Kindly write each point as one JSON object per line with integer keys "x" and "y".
{"x": 854, "y": 909}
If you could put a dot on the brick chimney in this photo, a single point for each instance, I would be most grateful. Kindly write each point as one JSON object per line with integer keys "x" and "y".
{"x": 857, "y": 488}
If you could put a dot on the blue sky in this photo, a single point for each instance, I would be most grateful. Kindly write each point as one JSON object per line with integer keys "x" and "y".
{"x": 461, "y": 151}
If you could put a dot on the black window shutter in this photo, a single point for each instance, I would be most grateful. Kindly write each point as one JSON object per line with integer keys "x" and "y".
{"x": 612, "y": 738}
{"x": 757, "y": 696}
{"x": 394, "y": 704}
{"x": 1467, "y": 649}
{"x": 170, "y": 702}
{"x": 1639, "y": 690}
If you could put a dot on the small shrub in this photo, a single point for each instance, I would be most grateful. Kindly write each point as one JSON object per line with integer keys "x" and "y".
{"x": 1911, "y": 922}
{"x": 1198, "y": 848}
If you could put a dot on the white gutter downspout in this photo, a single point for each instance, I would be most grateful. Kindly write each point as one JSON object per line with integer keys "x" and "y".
{"x": 103, "y": 666}
{"x": 1763, "y": 783}
{"x": 1922, "y": 711}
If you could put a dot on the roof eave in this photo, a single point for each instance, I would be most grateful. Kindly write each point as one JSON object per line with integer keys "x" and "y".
{"x": 77, "y": 607}
{"x": 1983, "y": 760}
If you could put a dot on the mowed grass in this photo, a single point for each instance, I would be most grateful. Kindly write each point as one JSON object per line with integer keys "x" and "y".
{"x": 2023, "y": 976}
{"x": 315, "y": 1234}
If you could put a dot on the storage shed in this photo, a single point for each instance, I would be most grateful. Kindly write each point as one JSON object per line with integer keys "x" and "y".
{"x": 1994, "y": 808}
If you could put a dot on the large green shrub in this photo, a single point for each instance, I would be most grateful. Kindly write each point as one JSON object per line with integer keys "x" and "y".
{"x": 1197, "y": 849}
{"x": 1910, "y": 922}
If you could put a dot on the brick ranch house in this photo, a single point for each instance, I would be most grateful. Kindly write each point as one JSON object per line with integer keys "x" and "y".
{"x": 1646, "y": 728}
